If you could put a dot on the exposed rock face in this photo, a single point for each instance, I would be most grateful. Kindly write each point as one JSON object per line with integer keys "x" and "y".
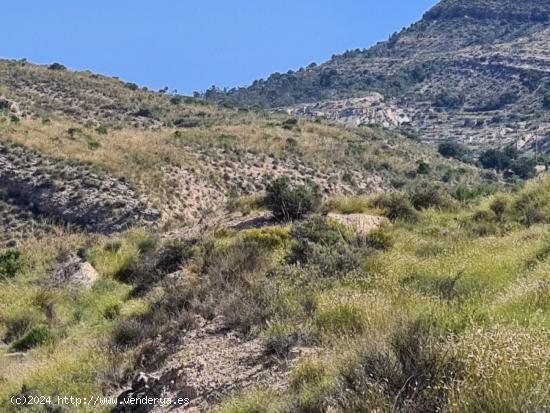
{"x": 476, "y": 71}
{"x": 373, "y": 109}
{"x": 68, "y": 194}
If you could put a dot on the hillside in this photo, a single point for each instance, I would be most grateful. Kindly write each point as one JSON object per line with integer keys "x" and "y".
{"x": 67, "y": 156}
{"x": 472, "y": 71}
{"x": 244, "y": 261}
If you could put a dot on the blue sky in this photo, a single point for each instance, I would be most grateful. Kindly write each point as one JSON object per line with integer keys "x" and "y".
{"x": 191, "y": 45}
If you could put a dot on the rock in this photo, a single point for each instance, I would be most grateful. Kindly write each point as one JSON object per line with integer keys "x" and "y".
{"x": 362, "y": 223}
{"x": 73, "y": 270}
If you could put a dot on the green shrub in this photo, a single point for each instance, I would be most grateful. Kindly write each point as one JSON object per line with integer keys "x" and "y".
{"x": 415, "y": 375}
{"x": 152, "y": 264}
{"x": 10, "y": 263}
{"x": 130, "y": 333}
{"x": 289, "y": 123}
{"x": 448, "y": 99}
{"x": 57, "y": 66}
{"x": 35, "y": 337}
{"x": 279, "y": 341}
{"x": 176, "y": 100}
{"x": 93, "y": 144}
{"x": 527, "y": 209}
{"x": 465, "y": 193}
{"x": 17, "y": 327}
{"x": 102, "y": 130}
{"x": 423, "y": 168}
{"x": 380, "y": 239}
{"x": 131, "y": 86}
{"x": 430, "y": 196}
{"x": 348, "y": 205}
{"x": 524, "y": 168}
{"x": 452, "y": 150}
{"x": 267, "y": 238}
{"x": 396, "y": 206}
{"x": 325, "y": 244}
{"x": 113, "y": 245}
{"x": 74, "y": 131}
{"x": 112, "y": 312}
{"x": 289, "y": 203}
{"x": 342, "y": 318}
{"x": 508, "y": 159}
{"x": 147, "y": 245}
{"x": 498, "y": 206}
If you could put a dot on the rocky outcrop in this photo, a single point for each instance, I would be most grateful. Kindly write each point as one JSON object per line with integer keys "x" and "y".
{"x": 361, "y": 223}
{"x": 73, "y": 270}
{"x": 68, "y": 193}
{"x": 524, "y": 11}
{"x": 474, "y": 71}
{"x": 372, "y": 109}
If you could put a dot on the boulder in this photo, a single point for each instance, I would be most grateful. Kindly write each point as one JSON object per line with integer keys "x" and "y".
{"x": 73, "y": 270}
{"x": 361, "y": 223}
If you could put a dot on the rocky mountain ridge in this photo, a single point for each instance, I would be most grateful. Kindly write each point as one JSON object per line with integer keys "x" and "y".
{"x": 470, "y": 71}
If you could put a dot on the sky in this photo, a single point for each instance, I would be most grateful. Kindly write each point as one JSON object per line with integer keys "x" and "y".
{"x": 191, "y": 45}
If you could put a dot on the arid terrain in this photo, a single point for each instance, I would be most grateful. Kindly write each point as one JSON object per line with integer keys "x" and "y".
{"x": 319, "y": 242}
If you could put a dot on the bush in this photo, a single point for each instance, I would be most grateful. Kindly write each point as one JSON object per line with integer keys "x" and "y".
{"x": 129, "y": 333}
{"x": 57, "y": 66}
{"x": 266, "y": 238}
{"x": 528, "y": 208}
{"x": 152, "y": 264}
{"x": 380, "y": 239}
{"x": 467, "y": 193}
{"x": 35, "y": 337}
{"x": 546, "y": 102}
{"x": 289, "y": 124}
{"x": 17, "y": 327}
{"x": 102, "y": 130}
{"x": 10, "y": 263}
{"x": 144, "y": 112}
{"x": 279, "y": 342}
{"x": 341, "y": 318}
{"x": 423, "y": 168}
{"x": 452, "y": 150}
{"x": 289, "y": 203}
{"x": 325, "y": 244}
{"x": 176, "y": 100}
{"x": 506, "y": 159}
{"x": 415, "y": 375}
{"x": 447, "y": 99}
{"x": 396, "y": 206}
{"x": 498, "y": 206}
{"x": 524, "y": 168}
{"x": 430, "y": 196}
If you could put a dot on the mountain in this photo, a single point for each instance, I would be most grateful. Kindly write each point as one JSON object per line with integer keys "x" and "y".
{"x": 473, "y": 71}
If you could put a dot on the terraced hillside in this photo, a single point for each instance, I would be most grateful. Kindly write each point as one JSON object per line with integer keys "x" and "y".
{"x": 472, "y": 71}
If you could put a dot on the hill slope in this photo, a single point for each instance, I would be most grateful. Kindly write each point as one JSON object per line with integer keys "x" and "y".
{"x": 170, "y": 160}
{"x": 137, "y": 259}
{"x": 474, "y": 71}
